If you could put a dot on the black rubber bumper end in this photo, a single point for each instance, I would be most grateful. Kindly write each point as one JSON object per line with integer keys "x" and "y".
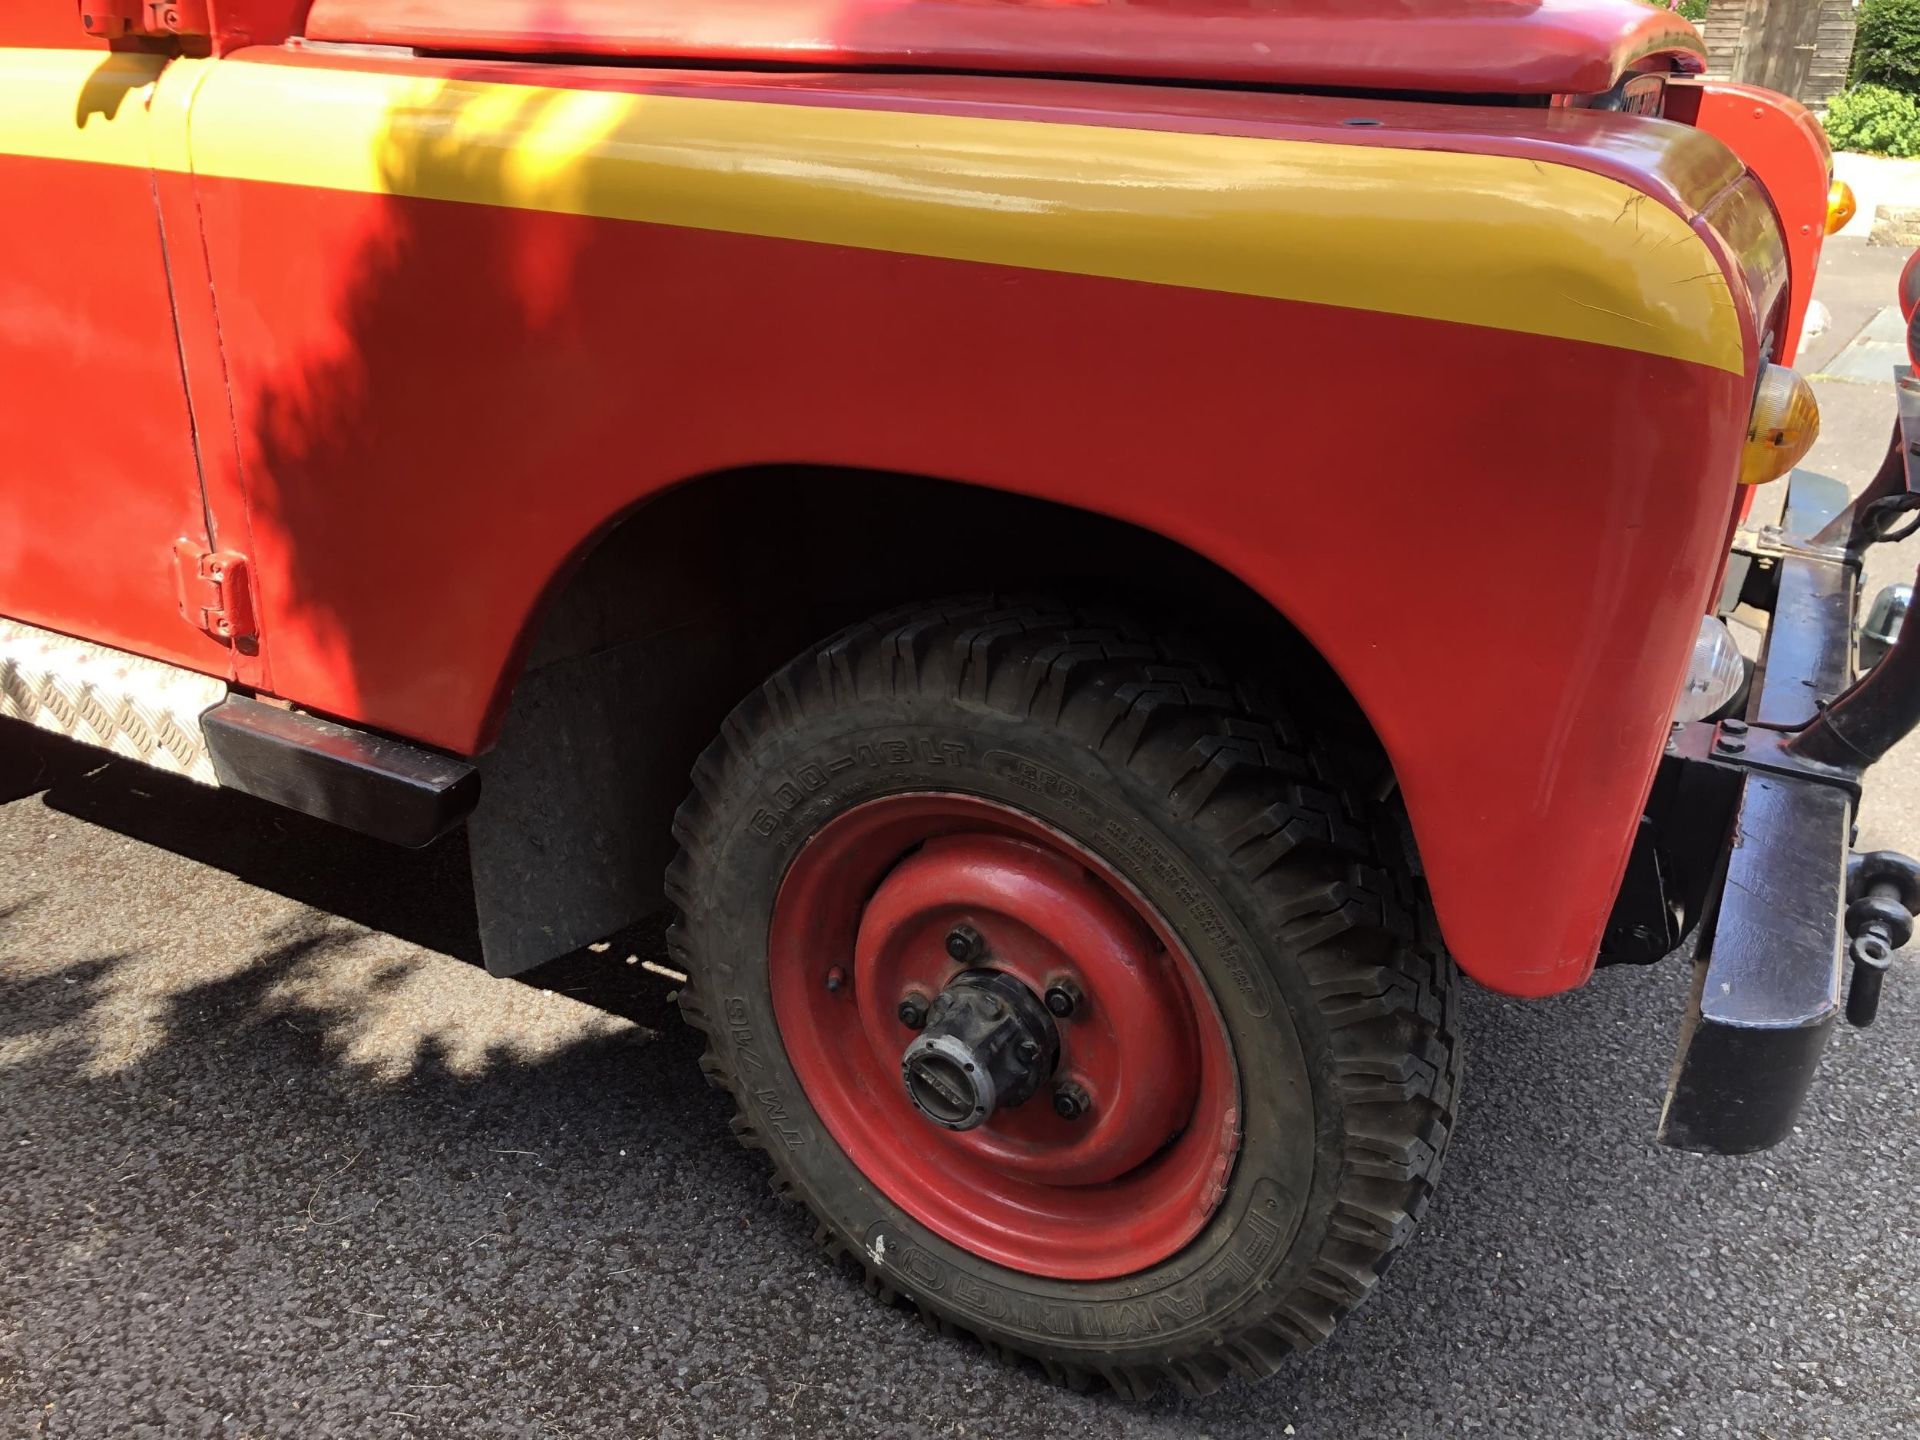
{"x": 386, "y": 788}
{"x": 1739, "y": 1090}
{"x": 1768, "y": 972}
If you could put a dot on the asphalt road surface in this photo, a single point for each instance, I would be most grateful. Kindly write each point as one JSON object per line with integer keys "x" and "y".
{"x": 280, "y": 1160}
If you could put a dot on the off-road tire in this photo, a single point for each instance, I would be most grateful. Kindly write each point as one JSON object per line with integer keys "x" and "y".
{"x": 1321, "y": 955}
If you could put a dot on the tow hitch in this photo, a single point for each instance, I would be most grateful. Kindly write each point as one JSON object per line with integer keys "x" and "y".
{"x": 1883, "y": 892}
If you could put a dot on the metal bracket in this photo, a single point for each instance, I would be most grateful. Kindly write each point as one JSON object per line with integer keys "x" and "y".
{"x": 124, "y": 19}
{"x": 1771, "y": 542}
{"x": 1738, "y": 746}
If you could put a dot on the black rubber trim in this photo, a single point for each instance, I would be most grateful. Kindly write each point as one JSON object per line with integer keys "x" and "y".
{"x": 390, "y": 789}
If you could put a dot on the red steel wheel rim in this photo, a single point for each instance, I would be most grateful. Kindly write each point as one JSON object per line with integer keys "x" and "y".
{"x": 872, "y": 896}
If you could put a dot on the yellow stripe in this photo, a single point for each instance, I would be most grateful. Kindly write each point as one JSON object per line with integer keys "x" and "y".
{"x": 76, "y": 105}
{"x": 1510, "y": 243}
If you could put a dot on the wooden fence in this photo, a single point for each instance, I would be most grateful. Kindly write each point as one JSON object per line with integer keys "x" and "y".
{"x": 1799, "y": 47}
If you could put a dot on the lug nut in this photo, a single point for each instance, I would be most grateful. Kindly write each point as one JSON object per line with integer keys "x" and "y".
{"x": 1063, "y": 998}
{"x": 836, "y": 980}
{"x": 913, "y": 1011}
{"x": 964, "y": 944}
{"x": 1070, "y": 1101}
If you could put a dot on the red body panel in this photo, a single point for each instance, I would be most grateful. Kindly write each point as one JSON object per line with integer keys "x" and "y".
{"x": 48, "y": 25}
{"x": 95, "y": 433}
{"x": 238, "y": 23}
{"x": 1489, "y": 46}
{"x": 1783, "y": 145}
{"x": 235, "y": 23}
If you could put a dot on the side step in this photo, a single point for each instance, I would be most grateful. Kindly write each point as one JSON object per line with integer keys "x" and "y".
{"x": 188, "y": 723}
{"x": 138, "y": 708}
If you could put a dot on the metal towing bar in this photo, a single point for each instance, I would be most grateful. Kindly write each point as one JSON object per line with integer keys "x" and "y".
{"x": 1751, "y": 827}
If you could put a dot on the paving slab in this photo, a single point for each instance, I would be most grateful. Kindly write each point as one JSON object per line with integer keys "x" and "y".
{"x": 1873, "y": 355}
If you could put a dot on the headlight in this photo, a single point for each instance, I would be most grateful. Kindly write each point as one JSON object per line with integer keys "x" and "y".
{"x": 1716, "y": 675}
{"x": 1785, "y": 423}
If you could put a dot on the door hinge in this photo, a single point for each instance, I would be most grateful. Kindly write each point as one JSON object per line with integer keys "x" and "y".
{"x": 216, "y": 590}
{"x": 118, "y": 19}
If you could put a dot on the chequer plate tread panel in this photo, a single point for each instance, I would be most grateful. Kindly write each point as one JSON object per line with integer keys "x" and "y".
{"x": 143, "y": 709}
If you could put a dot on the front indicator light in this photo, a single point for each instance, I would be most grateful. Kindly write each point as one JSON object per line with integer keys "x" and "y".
{"x": 1841, "y": 206}
{"x": 1715, "y": 677}
{"x": 1785, "y": 423}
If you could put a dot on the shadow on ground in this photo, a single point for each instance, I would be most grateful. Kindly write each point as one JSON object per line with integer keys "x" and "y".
{"x": 418, "y": 895}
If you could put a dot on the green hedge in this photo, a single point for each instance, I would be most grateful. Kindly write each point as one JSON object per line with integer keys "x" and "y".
{"x": 1694, "y": 10}
{"x": 1886, "y": 48}
{"x": 1876, "y": 119}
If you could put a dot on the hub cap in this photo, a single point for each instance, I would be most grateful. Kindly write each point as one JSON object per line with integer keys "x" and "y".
{"x": 988, "y": 1044}
{"x": 1125, "y": 1153}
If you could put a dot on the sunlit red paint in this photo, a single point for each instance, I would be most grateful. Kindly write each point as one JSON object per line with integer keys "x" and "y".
{"x": 99, "y": 455}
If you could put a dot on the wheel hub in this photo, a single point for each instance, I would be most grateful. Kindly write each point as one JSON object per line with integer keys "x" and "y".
{"x": 989, "y": 1043}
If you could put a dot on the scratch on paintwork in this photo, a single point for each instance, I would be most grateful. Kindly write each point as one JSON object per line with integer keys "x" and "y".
{"x": 1617, "y": 314}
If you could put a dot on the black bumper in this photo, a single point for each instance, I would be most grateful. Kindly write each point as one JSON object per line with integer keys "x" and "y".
{"x": 1767, "y": 977}
{"x": 1753, "y": 819}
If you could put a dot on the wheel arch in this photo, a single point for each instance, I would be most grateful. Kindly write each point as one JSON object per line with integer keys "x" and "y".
{"x": 675, "y": 608}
